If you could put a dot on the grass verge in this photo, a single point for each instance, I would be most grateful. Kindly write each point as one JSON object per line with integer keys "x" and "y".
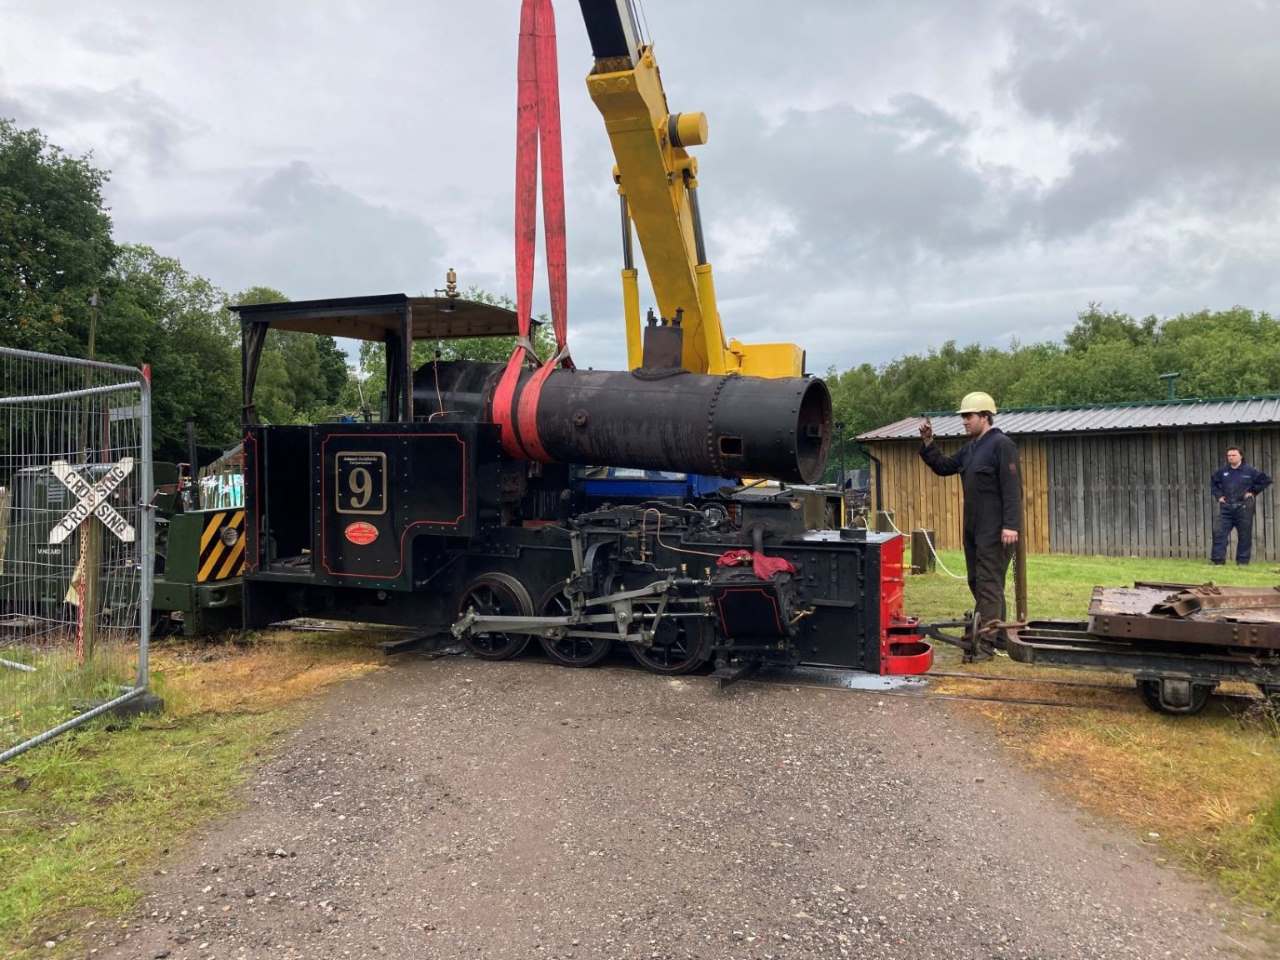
{"x": 59, "y": 686}
{"x": 84, "y": 818}
{"x": 1204, "y": 788}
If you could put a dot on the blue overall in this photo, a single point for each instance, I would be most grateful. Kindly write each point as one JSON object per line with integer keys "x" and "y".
{"x": 1235, "y": 510}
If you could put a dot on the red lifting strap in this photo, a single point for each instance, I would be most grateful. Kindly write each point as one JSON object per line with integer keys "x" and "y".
{"x": 537, "y": 136}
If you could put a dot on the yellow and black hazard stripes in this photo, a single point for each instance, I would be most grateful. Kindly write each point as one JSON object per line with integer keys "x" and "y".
{"x": 221, "y": 546}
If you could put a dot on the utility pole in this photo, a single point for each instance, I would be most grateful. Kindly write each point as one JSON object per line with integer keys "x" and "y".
{"x": 91, "y": 531}
{"x": 840, "y": 440}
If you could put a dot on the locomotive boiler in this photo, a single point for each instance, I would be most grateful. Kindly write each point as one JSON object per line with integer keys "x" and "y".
{"x": 654, "y": 417}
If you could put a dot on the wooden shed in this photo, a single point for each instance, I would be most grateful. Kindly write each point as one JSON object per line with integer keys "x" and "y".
{"x": 1114, "y": 479}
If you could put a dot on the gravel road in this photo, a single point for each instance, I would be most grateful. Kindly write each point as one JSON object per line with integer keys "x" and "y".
{"x": 454, "y": 808}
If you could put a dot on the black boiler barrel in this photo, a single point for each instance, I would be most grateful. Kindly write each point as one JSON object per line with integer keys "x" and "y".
{"x": 668, "y": 420}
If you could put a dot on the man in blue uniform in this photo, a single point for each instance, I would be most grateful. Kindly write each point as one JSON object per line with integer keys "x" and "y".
{"x": 989, "y": 474}
{"x": 1235, "y": 486}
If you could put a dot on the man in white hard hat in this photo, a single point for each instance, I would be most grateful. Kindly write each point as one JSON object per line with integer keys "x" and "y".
{"x": 988, "y": 468}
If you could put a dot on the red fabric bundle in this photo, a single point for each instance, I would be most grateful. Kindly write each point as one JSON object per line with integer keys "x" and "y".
{"x": 764, "y": 567}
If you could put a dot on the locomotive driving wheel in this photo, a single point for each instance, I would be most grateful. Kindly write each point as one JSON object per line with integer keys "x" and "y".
{"x": 496, "y": 594}
{"x": 676, "y": 649}
{"x": 570, "y": 651}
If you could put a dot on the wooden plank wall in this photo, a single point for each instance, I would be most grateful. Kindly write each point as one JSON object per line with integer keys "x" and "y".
{"x": 919, "y": 498}
{"x": 1139, "y": 494}
{"x": 1147, "y": 494}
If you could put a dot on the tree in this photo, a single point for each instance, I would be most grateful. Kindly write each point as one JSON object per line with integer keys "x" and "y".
{"x": 301, "y": 376}
{"x": 333, "y": 367}
{"x": 55, "y": 243}
{"x": 56, "y": 252}
{"x": 1094, "y": 327}
{"x": 1107, "y": 357}
{"x": 155, "y": 312}
{"x": 1229, "y": 353}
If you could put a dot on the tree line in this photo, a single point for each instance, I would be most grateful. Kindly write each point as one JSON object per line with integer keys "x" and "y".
{"x": 1106, "y": 357}
{"x": 61, "y": 270}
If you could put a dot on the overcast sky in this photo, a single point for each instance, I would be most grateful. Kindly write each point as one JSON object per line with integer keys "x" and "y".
{"x": 881, "y": 176}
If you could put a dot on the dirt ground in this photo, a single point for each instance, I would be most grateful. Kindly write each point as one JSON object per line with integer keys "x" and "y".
{"x": 455, "y": 808}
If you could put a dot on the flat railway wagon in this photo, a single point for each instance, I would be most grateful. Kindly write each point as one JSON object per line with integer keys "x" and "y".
{"x": 423, "y": 520}
{"x": 1179, "y": 641}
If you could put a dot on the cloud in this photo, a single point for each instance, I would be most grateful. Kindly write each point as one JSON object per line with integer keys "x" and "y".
{"x": 880, "y": 177}
{"x": 295, "y": 230}
{"x": 1181, "y": 101}
{"x": 126, "y": 123}
{"x": 116, "y": 38}
{"x": 885, "y": 189}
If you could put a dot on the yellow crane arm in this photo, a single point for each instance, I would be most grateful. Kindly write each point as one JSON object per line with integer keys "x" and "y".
{"x": 658, "y": 183}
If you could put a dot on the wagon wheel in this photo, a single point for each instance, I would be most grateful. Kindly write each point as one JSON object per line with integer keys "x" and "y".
{"x": 570, "y": 651}
{"x": 676, "y": 649}
{"x": 496, "y": 594}
{"x": 1149, "y": 690}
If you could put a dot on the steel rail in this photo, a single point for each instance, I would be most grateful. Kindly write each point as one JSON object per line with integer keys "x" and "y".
{"x": 1019, "y": 701}
{"x": 1049, "y": 680}
{"x": 1225, "y": 695}
{"x": 783, "y": 681}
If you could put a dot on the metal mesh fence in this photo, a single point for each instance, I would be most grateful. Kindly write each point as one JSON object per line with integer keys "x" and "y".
{"x": 75, "y": 542}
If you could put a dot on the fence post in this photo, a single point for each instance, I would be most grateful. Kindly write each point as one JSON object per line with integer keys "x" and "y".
{"x": 146, "y": 517}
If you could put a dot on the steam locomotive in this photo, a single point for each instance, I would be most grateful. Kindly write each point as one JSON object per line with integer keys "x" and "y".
{"x": 424, "y": 519}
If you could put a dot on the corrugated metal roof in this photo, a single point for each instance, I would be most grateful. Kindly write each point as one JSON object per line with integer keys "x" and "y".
{"x": 1097, "y": 418}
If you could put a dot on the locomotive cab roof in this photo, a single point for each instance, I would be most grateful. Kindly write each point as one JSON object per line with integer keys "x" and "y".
{"x": 377, "y": 317}
{"x": 393, "y": 319}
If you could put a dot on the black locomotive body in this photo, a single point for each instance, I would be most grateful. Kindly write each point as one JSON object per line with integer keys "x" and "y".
{"x": 422, "y": 520}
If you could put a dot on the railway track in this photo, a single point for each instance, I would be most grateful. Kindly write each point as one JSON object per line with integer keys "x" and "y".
{"x": 910, "y": 688}
{"x": 917, "y": 688}
{"x": 853, "y": 681}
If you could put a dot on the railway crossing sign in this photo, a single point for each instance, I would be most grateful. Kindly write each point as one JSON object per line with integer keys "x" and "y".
{"x": 92, "y": 499}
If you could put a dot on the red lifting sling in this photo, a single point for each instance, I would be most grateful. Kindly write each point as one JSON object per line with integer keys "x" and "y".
{"x": 537, "y": 135}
